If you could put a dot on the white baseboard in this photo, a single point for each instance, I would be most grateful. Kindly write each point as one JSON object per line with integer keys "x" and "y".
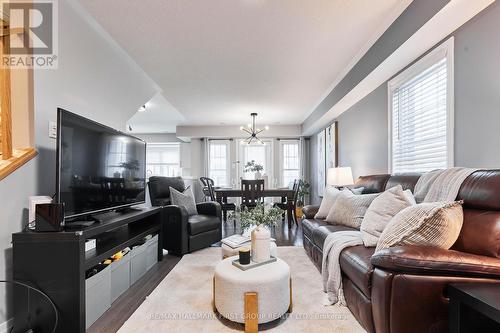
{"x": 6, "y": 326}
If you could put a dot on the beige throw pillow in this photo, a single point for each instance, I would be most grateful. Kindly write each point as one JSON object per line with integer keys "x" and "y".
{"x": 350, "y": 208}
{"x": 381, "y": 211}
{"x": 329, "y": 198}
{"x": 433, "y": 224}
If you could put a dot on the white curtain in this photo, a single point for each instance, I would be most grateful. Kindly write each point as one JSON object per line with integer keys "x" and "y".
{"x": 304, "y": 162}
{"x": 205, "y": 156}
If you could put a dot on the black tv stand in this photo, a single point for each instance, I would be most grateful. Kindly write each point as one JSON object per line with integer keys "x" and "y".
{"x": 55, "y": 262}
{"x": 129, "y": 209}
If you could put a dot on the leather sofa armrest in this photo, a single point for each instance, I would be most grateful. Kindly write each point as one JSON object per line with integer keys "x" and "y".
{"x": 175, "y": 229}
{"x": 209, "y": 208}
{"x": 309, "y": 211}
{"x": 430, "y": 260}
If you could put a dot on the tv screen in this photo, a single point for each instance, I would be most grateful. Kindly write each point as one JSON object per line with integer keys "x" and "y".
{"x": 98, "y": 168}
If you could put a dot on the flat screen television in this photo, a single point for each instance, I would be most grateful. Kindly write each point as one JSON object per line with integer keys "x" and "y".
{"x": 98, "y": 168}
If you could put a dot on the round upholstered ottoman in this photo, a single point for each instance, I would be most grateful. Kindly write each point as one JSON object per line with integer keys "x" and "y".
{"x": 255, "y": 296}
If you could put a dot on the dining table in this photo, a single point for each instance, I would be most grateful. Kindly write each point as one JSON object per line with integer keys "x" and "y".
{"x": 286, "y": 195}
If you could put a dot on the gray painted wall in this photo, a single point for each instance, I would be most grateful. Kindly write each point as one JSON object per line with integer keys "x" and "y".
{"x": 363, "y": 133}
{"x": 477, "y": 91}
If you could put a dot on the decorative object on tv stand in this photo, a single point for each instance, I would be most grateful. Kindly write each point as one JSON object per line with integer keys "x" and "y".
{"x": 263, "y": 218}
{"x": 253, "y": 131}
{"x": 340, "y": 177}
{"x": 303, "y": 191}
{"x": 254, "y": 167}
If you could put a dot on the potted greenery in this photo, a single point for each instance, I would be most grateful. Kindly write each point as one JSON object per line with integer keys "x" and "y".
{"x": 263, "y": 218}
{"x": 254, "y": 167}
{"x": 303, "y": 191}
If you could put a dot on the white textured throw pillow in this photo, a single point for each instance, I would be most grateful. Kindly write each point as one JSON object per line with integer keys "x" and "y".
{"x": 433, "y": 224}
{"x": 329, "y": 198}
{"x": 349, "y": 209}
{"x": 381, "y": 211}
{"x": 185, "y": 199}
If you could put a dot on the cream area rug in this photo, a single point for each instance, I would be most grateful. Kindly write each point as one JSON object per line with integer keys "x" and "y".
{"x": 182, "y": 302}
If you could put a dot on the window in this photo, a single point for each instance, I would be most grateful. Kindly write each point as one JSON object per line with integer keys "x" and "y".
{"x": 116, "y": 156}
{"x": 218, "y": 162}
{"x": 162, "y": 159}
{"x": 290, "y": 161}
{"x": 421, "y": 114}
{"x": 259, "y": 153}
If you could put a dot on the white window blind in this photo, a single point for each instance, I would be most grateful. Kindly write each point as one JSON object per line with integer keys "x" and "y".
{"x": 421, "y": 117}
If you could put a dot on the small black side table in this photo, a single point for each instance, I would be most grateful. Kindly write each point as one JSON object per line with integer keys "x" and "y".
{"x": 474, "y": 307}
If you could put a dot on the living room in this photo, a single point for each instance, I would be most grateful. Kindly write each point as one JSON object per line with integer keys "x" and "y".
{"x": 250, "y": 165}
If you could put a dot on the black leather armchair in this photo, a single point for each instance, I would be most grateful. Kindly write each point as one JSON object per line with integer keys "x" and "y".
{"x": 159, "y": 189}
{"x": 184, "y": 234}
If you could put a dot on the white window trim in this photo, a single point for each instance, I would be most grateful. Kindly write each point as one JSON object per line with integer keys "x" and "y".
{"x": 446, "y": 49}
{"x": 280, "y": 158}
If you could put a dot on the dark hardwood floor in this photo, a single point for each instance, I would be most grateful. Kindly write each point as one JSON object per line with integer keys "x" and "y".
{"x": 127, "y": 303}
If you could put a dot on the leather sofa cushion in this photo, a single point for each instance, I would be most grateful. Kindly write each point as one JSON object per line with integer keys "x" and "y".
{"x": 407, "y": 181}
{"x": 372, "y": 184}
{"x": 309, "y": 211}
{"x": 202, "y": 223}
{"x": 355, "y": 263}
{"x": 430, "y": 260}
{"x": 309, "y": 225}
{"x": 319, "y": 234}
{"x": 480, "y": 233}
{"x": 159, "y": 187}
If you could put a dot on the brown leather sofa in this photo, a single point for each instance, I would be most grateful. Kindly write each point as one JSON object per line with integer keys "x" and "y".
{"x": 403, "y": 289}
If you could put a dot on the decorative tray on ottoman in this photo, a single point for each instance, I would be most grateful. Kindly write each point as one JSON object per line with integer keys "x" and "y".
{"x": 252, "y": 264}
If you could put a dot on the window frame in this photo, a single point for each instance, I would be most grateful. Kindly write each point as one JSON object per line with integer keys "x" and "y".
{"x": 444, "y": 50}
{"x": 282, "y": 142}
{"x": 227, "y": 144}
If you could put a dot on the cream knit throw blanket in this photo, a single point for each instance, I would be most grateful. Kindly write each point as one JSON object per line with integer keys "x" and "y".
{"x": 334, "y": 244}
{"x": 439, "y": 185}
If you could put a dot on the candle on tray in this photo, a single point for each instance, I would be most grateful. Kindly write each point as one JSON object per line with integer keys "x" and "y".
{"x": 244, "y": 256}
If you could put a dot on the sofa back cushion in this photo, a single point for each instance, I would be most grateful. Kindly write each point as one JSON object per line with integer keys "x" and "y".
{"x": 159, "y": 187}
{"x": 481, "y": 230}
{"x": 372, "y": 184}
{"x": 407, "y": 181}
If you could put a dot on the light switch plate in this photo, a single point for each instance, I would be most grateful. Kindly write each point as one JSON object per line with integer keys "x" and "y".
{"x": 52, "y": 130}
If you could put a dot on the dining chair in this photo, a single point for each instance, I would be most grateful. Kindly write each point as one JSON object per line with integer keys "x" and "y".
{"x": 284, "y": 203}
{"x": 225, "y": 206}
{"x": 252, "y": 192}
{"x": 205, "y": 181}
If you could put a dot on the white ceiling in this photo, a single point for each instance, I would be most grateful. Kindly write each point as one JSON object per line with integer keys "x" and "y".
{"x": 159, "y": 117}
{"x": 219, "y": 60}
